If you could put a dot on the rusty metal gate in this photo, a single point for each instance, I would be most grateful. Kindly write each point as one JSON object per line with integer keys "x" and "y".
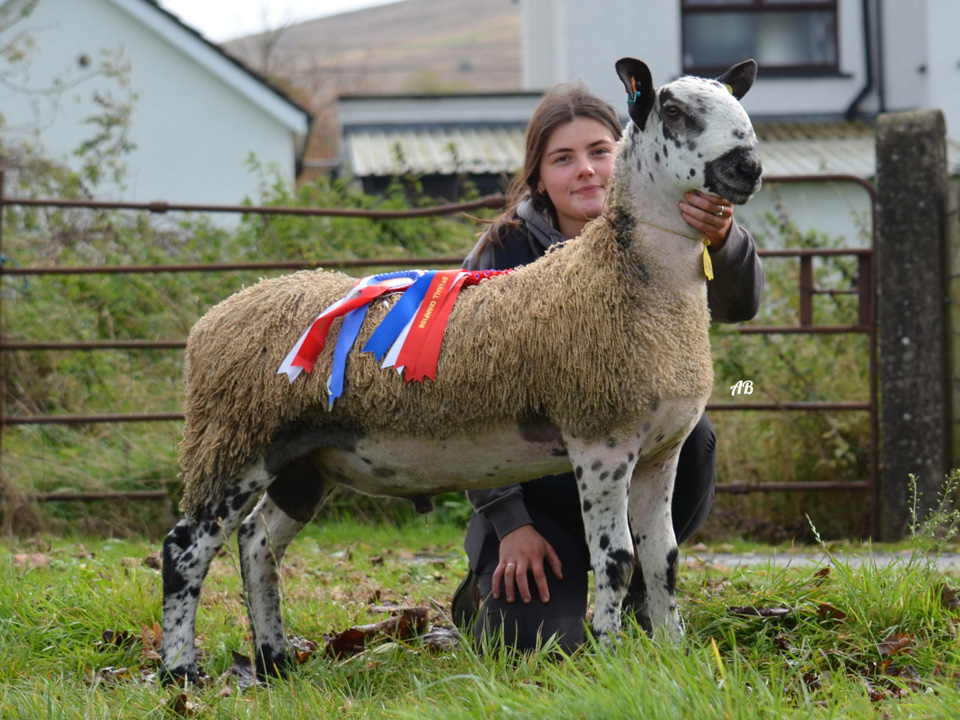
{"x": 866, "y": 324}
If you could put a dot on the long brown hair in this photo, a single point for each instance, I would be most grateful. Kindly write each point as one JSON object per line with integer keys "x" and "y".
{"x": 560, "y": 105}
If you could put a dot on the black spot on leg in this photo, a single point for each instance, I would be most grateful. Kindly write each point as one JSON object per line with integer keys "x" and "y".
{"x": 173, "y": 580}
{"x": 619, "y": 567}
{"x": 672, "y": 570}
{"x": 587, "y": 506}
{"x": 222, "y": 510}
{"x": 596, "y": 465}
{"x": 604, "y": 475}
{"x": 578, "y": 471}
{"x": 604, "y": 541}
{"x": 692, "y": 172}
{"x": 620, "y": 471}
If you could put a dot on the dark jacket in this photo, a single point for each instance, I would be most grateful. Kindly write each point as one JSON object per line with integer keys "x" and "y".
{"x": 733, "y": 296}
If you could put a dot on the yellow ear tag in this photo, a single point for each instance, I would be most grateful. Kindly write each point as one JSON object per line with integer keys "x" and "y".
{"x": 707, "y": 263}
{"x": 729, "y": 88}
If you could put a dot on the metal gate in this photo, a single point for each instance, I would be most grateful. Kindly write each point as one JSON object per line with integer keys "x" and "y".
{"x": 866, "y": 324}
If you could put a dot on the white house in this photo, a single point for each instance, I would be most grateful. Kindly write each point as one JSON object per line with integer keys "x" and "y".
{"x": 827, "y": 69}
{"x": 823, "y": 64}
{"x": 196, "y": 114}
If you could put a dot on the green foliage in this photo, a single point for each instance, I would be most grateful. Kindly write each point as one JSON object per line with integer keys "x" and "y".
{"x": 161, "y": 306}
{"x": 766, "y": 446}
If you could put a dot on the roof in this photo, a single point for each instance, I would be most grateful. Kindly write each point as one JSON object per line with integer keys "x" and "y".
{"x": 833, "y": 147}
{"x": 788, "y": 148}
{"x": 231, "y": 71}
{"x": 478, "y": 150}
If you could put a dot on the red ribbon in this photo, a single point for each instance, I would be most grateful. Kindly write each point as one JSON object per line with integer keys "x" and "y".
{"x": 317, "y": 334}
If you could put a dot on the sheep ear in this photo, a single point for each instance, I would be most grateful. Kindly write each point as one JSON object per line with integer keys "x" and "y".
{"x": 740, "y": 77}
{"x": 638, "y": 82}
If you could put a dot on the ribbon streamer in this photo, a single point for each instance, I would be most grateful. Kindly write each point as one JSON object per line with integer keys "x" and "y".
{"x": 408, "y": 338}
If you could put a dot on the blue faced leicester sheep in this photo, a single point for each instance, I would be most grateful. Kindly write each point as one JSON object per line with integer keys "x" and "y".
{"x": 595, "y": 356}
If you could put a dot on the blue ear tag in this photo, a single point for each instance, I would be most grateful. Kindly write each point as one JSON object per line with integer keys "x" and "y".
{"x": 636, "y": 93}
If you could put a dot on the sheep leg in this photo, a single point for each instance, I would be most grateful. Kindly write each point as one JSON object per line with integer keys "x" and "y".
{"x": 603, "y": 475}
{"x": 651, "y": 497}
{"x": 263, "y": 538}
{"x": 188, "y": 551}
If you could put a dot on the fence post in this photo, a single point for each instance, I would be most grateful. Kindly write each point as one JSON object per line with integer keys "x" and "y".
{"x": 4, "y": 491}
{"x": 912, "y": 202}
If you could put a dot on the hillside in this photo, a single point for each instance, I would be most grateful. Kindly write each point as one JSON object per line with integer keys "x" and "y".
{"x": 408, "y": 46}
{"x": 412, "y": 46}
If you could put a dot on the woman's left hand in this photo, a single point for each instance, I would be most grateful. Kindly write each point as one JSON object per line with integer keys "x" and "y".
{"x": 710, "y": 214}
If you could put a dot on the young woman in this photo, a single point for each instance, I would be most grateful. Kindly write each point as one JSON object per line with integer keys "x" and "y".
{"x": 528, "y": 557}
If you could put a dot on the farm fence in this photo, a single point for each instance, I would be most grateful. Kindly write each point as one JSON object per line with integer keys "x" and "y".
{"x": 866, "y": 325}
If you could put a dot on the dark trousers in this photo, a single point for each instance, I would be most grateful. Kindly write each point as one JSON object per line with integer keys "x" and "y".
{"x": 554, "y": 506}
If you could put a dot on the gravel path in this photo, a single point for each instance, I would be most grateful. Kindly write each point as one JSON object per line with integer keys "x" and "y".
{"x": 948, "y": 562}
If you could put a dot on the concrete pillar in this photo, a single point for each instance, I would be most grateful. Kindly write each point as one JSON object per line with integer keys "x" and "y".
{"x": 912, "y": 205}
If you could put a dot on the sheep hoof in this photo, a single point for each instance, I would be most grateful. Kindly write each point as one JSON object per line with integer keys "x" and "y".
{"x": 273, "y": 666}
{"x": 178, "y": 676}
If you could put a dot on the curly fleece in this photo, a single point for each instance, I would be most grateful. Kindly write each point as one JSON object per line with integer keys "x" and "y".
{"x": 586, "y": 339}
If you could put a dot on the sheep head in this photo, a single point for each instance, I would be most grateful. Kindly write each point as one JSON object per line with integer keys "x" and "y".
{"x": 692, "y": 133}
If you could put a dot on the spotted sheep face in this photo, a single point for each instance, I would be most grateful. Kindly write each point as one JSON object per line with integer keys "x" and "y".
{"x": 694, "y": 130}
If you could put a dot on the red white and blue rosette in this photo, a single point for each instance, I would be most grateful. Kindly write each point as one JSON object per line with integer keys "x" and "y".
{"x": 409, "y": 336}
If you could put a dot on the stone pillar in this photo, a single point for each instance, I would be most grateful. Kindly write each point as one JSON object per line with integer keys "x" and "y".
{"x": 911, "y": 258}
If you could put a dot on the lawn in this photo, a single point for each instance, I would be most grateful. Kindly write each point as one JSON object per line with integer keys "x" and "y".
{"x": 79, "y": 624}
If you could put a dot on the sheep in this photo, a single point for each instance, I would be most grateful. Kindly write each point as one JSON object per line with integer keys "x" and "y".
{"x": 596, "y": 356}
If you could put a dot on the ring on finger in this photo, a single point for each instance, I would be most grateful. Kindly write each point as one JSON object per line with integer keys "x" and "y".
{"x": 720, "y": 211}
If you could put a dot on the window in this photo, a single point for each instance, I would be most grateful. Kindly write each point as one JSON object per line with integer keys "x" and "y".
{"x": 785, "y": 37}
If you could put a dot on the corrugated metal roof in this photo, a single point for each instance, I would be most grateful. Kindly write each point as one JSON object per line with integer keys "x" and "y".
{"x": 802, "y": 148}
{"x": 383, "y": 153}
{"x": 844, "y": 148}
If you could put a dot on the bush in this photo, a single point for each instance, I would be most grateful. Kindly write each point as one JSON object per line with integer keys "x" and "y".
{"x": 138, "y": 456}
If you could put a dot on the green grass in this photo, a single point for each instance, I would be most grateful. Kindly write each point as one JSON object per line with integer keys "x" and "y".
{"x": 824, "y": 657}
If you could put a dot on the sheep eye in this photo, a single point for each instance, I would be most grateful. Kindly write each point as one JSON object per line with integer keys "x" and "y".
{"x": 671, "y": 111}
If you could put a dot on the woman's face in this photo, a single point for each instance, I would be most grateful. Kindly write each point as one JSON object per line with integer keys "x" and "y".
{"x": 574, "y": 170}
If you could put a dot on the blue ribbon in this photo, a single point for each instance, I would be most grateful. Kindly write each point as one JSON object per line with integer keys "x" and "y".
{"x": 345, "y": 339}
{"x": 396, "y": 320}
{"x": 349, "y": 330}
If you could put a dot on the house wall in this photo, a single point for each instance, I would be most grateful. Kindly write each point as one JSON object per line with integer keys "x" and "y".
{"x": 943, "y": 61}
{"x": 587, "y": 41}
{"x": 918, "y": 55}
{"x": 193, "y": 133}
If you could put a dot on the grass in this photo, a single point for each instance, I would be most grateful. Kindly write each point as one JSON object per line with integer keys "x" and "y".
{"x": 77, "y": 625}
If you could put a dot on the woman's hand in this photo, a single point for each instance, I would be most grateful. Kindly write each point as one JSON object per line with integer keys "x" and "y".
{"x": 710, "y": 214}
{"x": 523, "y": 551}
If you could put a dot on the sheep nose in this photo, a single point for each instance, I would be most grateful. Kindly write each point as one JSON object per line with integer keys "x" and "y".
{"x": 750, "y": 168}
